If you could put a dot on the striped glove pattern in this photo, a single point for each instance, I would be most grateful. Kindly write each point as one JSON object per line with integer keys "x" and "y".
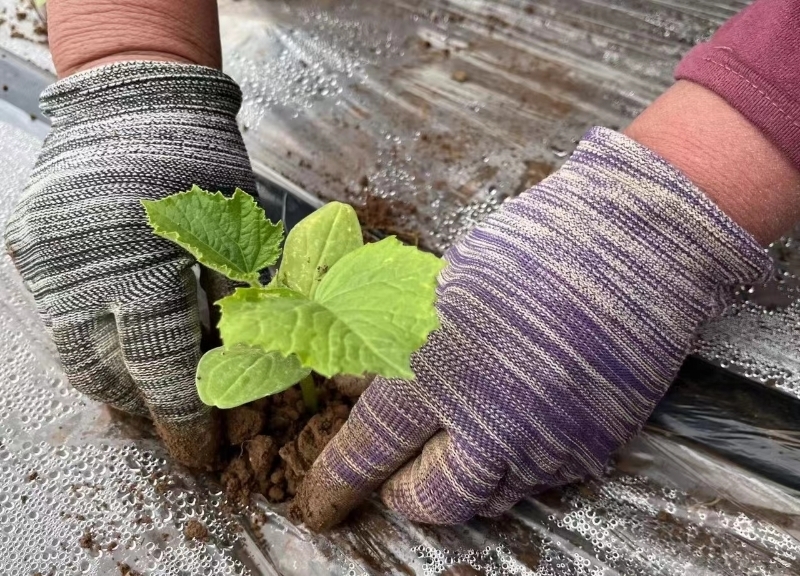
{"x": 119, "y": 302}
{"x": 565, "y": 316}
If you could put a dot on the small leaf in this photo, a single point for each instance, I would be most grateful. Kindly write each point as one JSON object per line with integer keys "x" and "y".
{"x": 227, "y": 378}
{"x": 316, "y": 244}
{"x": 229, "y": 235}
{"x": 372, "y": 310}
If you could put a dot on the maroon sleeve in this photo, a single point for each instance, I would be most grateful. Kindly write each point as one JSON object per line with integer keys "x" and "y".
{"x": 753, "y": 62}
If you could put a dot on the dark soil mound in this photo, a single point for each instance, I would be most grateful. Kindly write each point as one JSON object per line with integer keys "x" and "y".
{"x": 272, "y": 442}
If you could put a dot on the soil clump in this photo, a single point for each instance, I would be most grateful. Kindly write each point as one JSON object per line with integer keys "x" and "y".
{"x": 126, "y": 570}
{"x": 195, "y": 530}
{"x": 273, "y": 442}
{"x": 87, "y": 541}
{"x": 386, "y": 216}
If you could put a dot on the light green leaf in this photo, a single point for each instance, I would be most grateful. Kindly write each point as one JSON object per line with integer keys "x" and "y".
{"x": 229, "y": 235}
{"x": 230, "y": 377}
{"x": 316, "y": 244}
{"x": 370, "y": 312}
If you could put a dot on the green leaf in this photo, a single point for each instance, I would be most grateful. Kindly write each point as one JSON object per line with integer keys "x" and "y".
{"x": 229, "y": 235}
{"x": 230, "y": 377}
{"x": 370, "y": 312}
{"x": 316, "y": 244}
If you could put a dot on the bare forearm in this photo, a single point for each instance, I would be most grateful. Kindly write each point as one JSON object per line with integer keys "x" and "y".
{"x": 726, "y": 156}
{"x": 87, "y": 33}
{"x": 730, "y": 123}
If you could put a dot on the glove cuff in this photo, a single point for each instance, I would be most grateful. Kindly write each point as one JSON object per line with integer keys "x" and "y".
{"x": 130, "y": 87}
{"x": 631, "y": 224}
{"x": 663, "y": 204}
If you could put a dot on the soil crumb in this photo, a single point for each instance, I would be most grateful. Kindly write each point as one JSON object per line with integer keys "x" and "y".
{"x": 460, "y": 76}
{"x": 243, "y": 423}
{"x": 87, "y": 541}
{"x": 196, "y": 530}
{"x": 387, "y": 216}
{"x": 273, "y": 458}
{"x": 299, "y": 454}
{"x": 126, "y": 570}
{"x": 535, "y": 172}
{"x": 352, "y": 386}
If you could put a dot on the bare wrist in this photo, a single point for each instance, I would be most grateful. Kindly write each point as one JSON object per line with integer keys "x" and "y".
{"x": 87, "y": 33}
{"x": 728, "y": 158}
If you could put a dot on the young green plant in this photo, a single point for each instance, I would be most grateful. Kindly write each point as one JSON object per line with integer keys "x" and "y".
{"x": 335, "y": 305}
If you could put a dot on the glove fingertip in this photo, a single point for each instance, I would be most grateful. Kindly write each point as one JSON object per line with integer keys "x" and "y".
{"x": 321, "y": 506}
{"x": 194, "y": 444}
{"x": 385, "y": 428}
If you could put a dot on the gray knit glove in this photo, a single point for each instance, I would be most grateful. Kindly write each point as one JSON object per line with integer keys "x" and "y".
{"x": 565, "y": 316}
{"x": 119, "y": 302}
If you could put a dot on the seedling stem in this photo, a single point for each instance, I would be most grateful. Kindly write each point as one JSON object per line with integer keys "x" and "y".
{"x": 309, "y": 389}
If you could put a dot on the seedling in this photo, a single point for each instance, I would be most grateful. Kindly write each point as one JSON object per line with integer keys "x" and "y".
{"x": 335, "y": 305}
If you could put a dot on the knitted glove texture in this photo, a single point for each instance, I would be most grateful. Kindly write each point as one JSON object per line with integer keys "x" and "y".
{"x": 119, "y": 302}
{"x": 565, "y": 317}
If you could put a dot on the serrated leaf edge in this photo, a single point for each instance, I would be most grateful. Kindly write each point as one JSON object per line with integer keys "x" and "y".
{"x": 249, "y": 277}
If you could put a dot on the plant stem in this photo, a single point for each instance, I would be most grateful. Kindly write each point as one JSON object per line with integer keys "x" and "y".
{"x": 309, "y": 389}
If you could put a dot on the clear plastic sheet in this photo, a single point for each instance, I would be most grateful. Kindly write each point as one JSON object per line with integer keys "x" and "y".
{"x": 710, "y": 488}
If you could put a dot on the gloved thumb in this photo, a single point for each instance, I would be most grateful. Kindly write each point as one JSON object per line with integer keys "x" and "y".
{"x": 386, "y": 427}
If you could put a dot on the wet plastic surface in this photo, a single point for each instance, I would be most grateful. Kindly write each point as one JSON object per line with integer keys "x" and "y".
{"x": 711, "y": 487}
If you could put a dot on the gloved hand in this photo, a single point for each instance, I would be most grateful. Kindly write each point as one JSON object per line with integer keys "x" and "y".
{"x": 119, "y": 302}
{"x": 565, "y": 316}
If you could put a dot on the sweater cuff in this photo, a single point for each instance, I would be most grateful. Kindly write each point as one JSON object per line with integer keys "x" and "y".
{"x": 767, "y": 107}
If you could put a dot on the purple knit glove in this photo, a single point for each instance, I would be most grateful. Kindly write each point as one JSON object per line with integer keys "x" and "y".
{"x": 565, "y": 316}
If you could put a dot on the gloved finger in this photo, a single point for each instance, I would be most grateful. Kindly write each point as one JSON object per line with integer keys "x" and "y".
{"x": 443, "y": 485}
{"x": 511, "y": 490}
{"x": 91, "y": 356}
{"x": 517, "y": 484}
{"x": 216, "y": 287}
{"x": 160, "y": 338}
{"x": 386, "y": 427}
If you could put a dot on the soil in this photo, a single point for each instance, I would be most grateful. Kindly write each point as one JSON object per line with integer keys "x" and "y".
{"x": 273, "y": 442}
{"x": 87, "y": 542}
{"x": 126, "y": 570}
{"x": 385, "y": 216}
{"x": 243, "y": 423}
{"x": 195, "y": 530}
{"x": 352, "y": 386}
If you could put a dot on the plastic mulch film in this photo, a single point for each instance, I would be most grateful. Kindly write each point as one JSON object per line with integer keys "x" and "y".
{"x": 438, "y": 110}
